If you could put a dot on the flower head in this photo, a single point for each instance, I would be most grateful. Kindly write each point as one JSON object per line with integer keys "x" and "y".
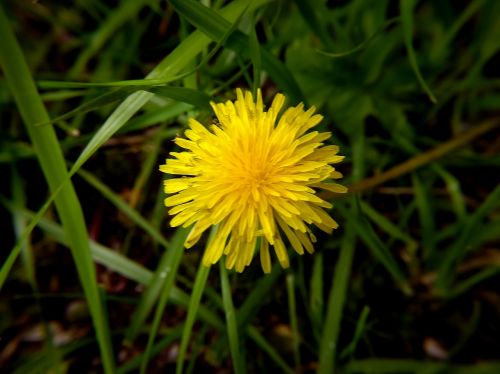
{"x": 254, "y": 175}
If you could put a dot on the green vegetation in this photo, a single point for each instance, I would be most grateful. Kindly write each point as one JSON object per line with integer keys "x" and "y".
{"x": 92, "y": 277}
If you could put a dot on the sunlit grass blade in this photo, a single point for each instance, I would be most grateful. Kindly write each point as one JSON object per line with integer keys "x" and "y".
{"x": 231, "y": 323}
{"x": 407, "y": 9}
{"x": 52, "y": 162}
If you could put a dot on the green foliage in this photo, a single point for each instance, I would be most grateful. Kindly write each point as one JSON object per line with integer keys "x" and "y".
{"x": 408, "y": 283}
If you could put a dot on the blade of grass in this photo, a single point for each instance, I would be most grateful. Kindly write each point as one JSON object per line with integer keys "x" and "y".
{"x": 358, "y": 333}
{"x": 397, "y": 366}
{"x": 180, "y": 94}
{"x": 366, "y": 233}
{"x": 130, "y": 212}
{"x": 194, "y": 303}
{"x": 263, "y": 344}
{"x": 168, "y": 67}
{"x": 168, "y": 274}
{"x": 231, "y": 324}
{"x": 162, "y": 279}
{"x": 316, "y": 303}
{"x": 135, "y": 363}
{"x": 19, "y": 223}
{"x": 215, "y": 25}
{"x": 119, "y": 263}
{"x": 308, "y": 11}
{"x": 51, "y": 160}
{"x": 460, "y": 246}
{"x": 117, "y": 17}
{"x": 407, "y": 9}
{"x": 253, "y": 43}
{"x": 423, "y": 158}
{"x": 426, "y": 216}
{"x": 257, "y": 296}
{"x": 292, "y": 312}
{"x": 338, "y": 291}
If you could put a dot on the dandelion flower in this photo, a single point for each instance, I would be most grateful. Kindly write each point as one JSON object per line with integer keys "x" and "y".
{"x": 254, "y": 175}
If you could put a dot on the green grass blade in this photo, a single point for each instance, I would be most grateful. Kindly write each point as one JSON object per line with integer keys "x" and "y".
{"x": 130, "y": 212}
{"x": 253, "y": 42}
{"x": 366, "y": 233}
{"x": 257, "y": 296}
{"x": 308, "y": 12}
{"x": 407, "y": 8}
{"x": 180, "y": 94}
{"x": 423, "y": 198}
{"x": 292, "y": 312}
{"x": 361, "y": 45}
{"x": 231, "y": 324}
{"x": 215, "y": 25}
{"x": 316, "y": 301}
{"x": 168, "y": 67}
{"x": 459, "y": 247}
{"x": 263, "y": 344}
{"x": 52, "y": 162}
{"x": 135, "y": 363}
{"x": 338, "y": 291}
{"x": 358, "y": 333}
{"x": 120, "y": 15}
{"x": 162, "y": 280}
{"x": 194, "y": 303}
{"x": 168, "y": 274}
{"x": 19, "y": 223}
{"x": 397, "y": 366}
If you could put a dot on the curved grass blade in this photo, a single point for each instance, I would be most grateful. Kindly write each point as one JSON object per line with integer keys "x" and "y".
{"x": 52, "y": 162}
{"x": 361, "y": 45}
{"x": 407, "y": 8}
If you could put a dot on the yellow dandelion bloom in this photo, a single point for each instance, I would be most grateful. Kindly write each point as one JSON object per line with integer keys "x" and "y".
{"x": 254, "y": 174}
